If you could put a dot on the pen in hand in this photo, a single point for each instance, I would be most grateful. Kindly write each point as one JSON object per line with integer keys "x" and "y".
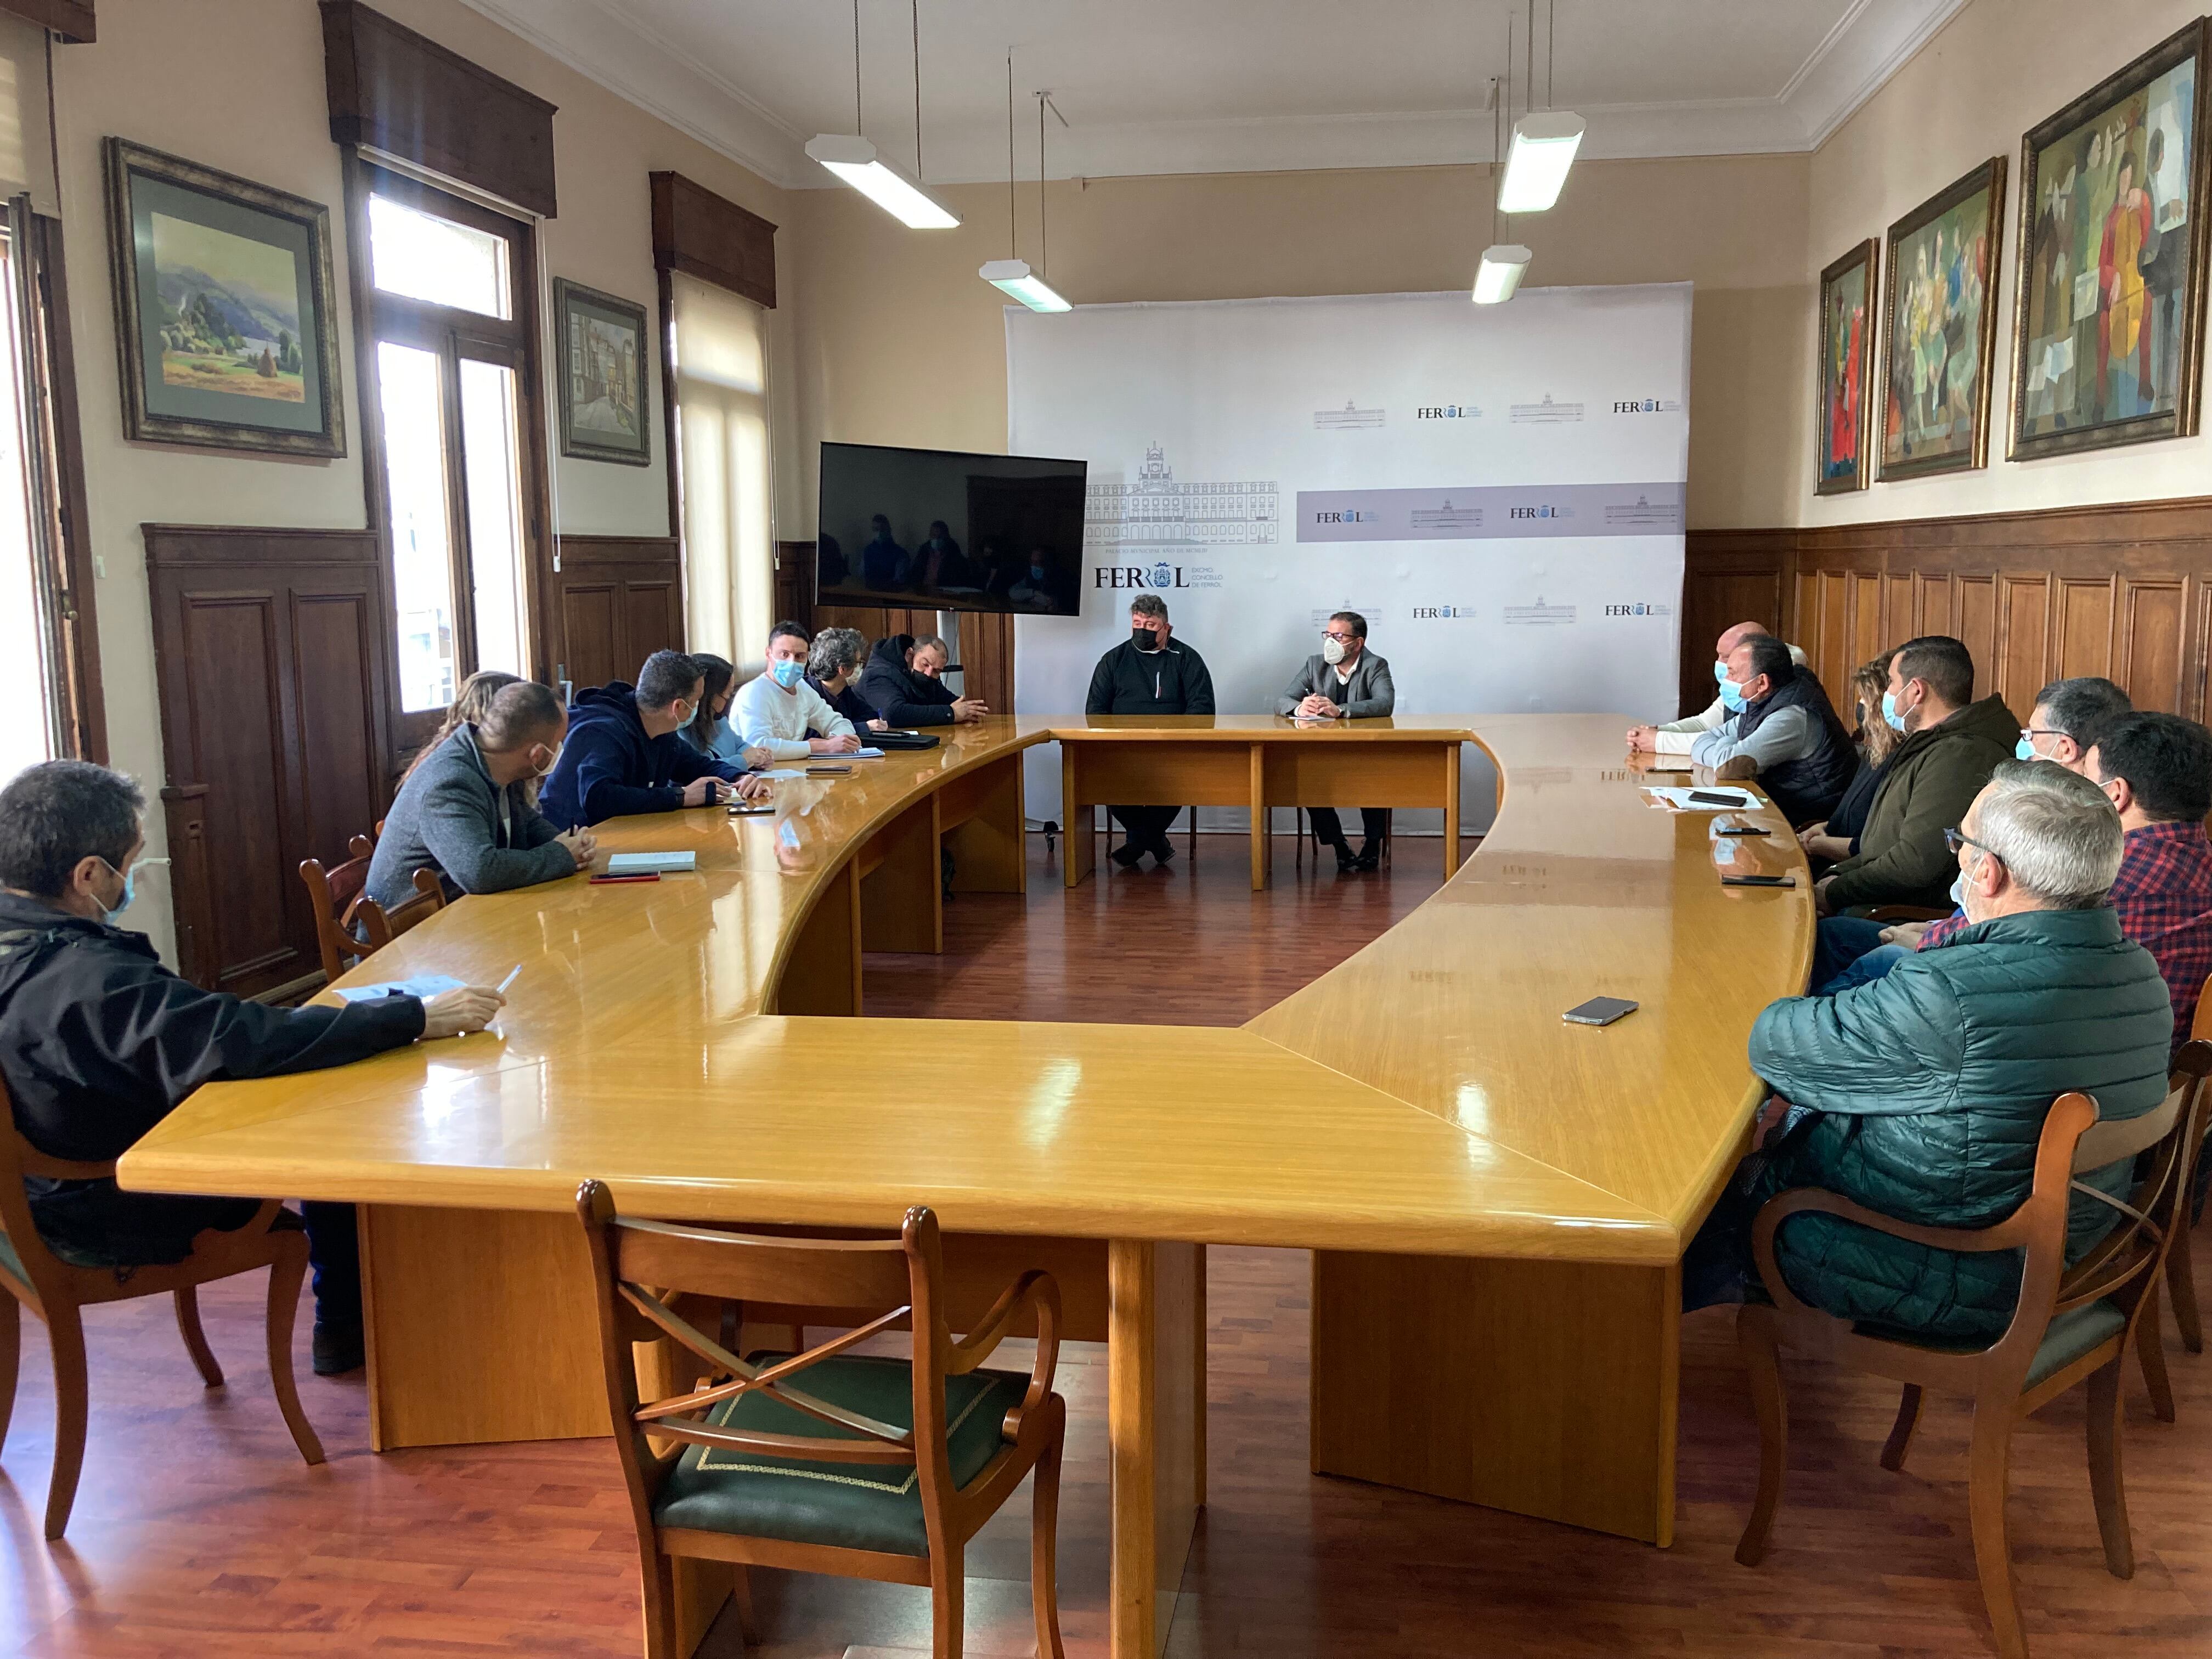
{"x": 512, "y": 974}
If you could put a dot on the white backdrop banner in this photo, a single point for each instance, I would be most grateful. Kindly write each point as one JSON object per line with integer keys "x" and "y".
{"x": 1499, "y": 489}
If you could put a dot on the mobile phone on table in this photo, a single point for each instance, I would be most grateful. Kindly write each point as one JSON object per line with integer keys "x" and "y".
{"x": 828, "y": 771}
{"x": 1599, "y": 1010}
{"x": 1742, "y": 829}
{"x": 1707, "y": 798}
{"x": 750, "y": 810}
{"x": 1758, "y": 881}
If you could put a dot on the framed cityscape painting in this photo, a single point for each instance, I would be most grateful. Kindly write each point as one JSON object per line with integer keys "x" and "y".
{"x": 1939, "y": 334}
{"x": 601, "y": 342}
{"x": 2108, "y": 326}
{"x": 1848, "y": 294}
{"x": 225, "y": 323}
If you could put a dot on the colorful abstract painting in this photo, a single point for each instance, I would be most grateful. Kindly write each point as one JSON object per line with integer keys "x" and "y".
{"x": 1938, "y": 333}
{"x": 1847, "y": 319}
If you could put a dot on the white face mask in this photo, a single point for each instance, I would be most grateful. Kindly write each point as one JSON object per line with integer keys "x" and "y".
{"x": 1332, "y": 651}
{"x": 1958, "y": 891}
{"x": 546, "y": 770}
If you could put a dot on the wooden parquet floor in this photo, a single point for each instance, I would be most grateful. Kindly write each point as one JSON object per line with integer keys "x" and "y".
{"x": 199, "y": 1534}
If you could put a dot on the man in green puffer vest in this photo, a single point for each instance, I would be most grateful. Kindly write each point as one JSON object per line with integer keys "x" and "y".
{"x": 1922, "y": 1094}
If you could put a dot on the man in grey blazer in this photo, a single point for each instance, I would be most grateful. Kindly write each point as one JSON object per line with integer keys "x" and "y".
{"x": 1344, "y": 680}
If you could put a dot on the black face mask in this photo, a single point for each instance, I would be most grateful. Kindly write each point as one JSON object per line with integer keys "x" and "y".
{"x": 1144, "y": 639}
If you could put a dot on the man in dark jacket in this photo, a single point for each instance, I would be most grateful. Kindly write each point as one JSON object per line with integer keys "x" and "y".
{"x": 465, "y": 811}
{"x": 99, "y": 1041}
{"x": 1149, "y": 674}
{"x": 1781, "y": 730}
{"x": 622, "y": 756}
{"x": 1922, "y": 1095}
{"x": 902, "y": 684}
{"x": 1951, "y": 745}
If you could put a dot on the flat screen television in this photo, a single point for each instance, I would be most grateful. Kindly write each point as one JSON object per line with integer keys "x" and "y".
{"x": 944, "y": 530}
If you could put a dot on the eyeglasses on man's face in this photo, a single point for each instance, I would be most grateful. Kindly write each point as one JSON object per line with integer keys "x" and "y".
{"x": 1342, "y": 636}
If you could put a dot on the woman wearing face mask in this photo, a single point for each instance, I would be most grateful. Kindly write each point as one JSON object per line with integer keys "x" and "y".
{"x": 1837, "y": 837}
{"x": 467, "y": 813}
{"x": 709, "y": 730}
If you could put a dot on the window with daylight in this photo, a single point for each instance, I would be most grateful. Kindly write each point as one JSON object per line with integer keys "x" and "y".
{"x": 455, "y": 406}
{"x": 720, "y": 356}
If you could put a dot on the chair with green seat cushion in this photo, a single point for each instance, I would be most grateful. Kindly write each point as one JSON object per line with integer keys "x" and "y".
{"x": 2070, "y": 1325}
{"x": 824, "y": 1460}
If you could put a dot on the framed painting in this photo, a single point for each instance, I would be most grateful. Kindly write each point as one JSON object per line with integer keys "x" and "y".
{"x": 602, "y": 344}
{"x": 225, "y": 324}
{"x": 2109, "y": 324}
{"x": 1848, "y": 293}
{"x": 1939, "y": 333}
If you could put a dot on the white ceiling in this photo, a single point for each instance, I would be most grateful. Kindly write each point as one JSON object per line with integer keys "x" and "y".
{"x": 1225, "y": 85}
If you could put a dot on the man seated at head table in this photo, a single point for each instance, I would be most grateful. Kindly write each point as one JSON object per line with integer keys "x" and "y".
{"x": 1148, "y": 673}
{"x": 1951, "y": 743}
{"x": 1780, "y": 731}
{"x": 465, "y": 810}
{"x": 833, "y": 669}
{"x": 1675, "y": 737}
{"x": 2068, "y": 716}
{"x": 777, "y": 709}
{"x": 1921, "y": 1094}
{"x": 99, "y": 1041}
{"x": 1344, "y": 680}
{"x": 2156, "y": 770}
{"x": 904, "y": 683}
{"x": 622, "y": 756}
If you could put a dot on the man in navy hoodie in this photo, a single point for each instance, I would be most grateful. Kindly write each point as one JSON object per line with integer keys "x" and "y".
{"x": 622, "y": 755}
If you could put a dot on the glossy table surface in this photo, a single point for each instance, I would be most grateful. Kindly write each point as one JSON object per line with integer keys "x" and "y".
{"x": 1423, "y": 1097}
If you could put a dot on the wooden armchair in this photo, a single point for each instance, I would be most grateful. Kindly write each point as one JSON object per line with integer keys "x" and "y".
{"x": 877, "y": 1469}
{"x": 57, "y": 1292}
{"x": 2071, "y": 1324}
{"x": 2180, "y": 1271}
{"x": 339, "y": 902}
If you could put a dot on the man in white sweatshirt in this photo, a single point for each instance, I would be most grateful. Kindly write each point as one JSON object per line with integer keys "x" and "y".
{"x": 1676, "y": 737}
{"x": 775, "y": 709}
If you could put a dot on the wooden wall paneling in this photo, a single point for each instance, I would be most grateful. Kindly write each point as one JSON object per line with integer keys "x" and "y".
{"x": 393, "y": 90}
{"x": 1829, "y": 646}
{"x": 1868, "y": 627}
{"x": 2152, "y": 617}
{"x": 1729, "y": 577}
{"x": 1938, "y": 604}
{"x": 794, "y": 584}
{"x": 2083, "y": 626}
{"x": 613, "y": 603}
{"x": 2023, "y": 652}
{"x": 1900, "y": 612}
{"x": 270, "y": 664}
{"x": 1974, "y": 623}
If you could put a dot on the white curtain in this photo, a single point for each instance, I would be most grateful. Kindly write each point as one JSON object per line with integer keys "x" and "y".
{"x": 721, "y": 422}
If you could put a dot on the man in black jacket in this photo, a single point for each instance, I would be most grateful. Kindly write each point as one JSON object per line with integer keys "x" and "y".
{"x": 622, "y": 754}
{"x": 1781, "y": 730}
{"x": 99, "y": 1041}
{"x": 1148, "y": 674}
{"x": 903, "y": 684}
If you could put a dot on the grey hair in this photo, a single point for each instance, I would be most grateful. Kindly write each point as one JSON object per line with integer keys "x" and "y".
{"x": 2053, "y": 830}
{"x": 834, "y": 648}
{"x": 923, "y": 641}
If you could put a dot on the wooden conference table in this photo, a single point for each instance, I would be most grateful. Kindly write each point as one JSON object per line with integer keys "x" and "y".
{"x": 1498, "y": 1202}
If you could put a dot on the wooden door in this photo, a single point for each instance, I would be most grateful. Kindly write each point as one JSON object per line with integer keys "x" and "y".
{"x": 613, "y": 603}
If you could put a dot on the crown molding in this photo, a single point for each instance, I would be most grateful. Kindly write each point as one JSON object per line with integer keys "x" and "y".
{"x": 603, "y": 40}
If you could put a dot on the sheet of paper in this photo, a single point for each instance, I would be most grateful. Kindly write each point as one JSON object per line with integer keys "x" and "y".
{"x": 422, "y": 985}
{"x": 783, "y": 772}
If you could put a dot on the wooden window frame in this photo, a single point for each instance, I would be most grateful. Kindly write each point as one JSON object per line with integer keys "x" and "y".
{"x": 454, "y": 335}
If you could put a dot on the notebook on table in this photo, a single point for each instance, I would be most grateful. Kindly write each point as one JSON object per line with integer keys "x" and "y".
{"x": 647, "y": 864}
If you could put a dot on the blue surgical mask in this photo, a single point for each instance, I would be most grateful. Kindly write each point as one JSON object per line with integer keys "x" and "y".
{"x": 1720, "y": 673}
{"x": 788, "y": 673}
{"x": 2025, "y": 749}
{"x": 129, "y": 888}
{"x": 1889, "y": 711}
{"x": 1732, "y": 698}
{"x": 1958, "y": 891}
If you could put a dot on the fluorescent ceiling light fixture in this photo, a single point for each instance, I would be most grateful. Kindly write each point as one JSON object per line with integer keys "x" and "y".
{"x": 1544, "y": 148}
{"x": 1503, "y": 267}
{"x": 1014, "y": 276}
{"x": 855, "y": 162}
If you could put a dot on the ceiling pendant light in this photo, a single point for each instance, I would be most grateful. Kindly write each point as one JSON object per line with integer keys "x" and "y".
{"x": 1012, "y": 277}
{"x": 1544, "y": 146}
{"x": 1503, "y": 264}
{"x": 859, "y": 164}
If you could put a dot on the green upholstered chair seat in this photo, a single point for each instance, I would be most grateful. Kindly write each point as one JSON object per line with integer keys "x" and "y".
{"x": 2071, "y": 1335}
{"x": 861, "y": 1506}
{"x": 11, "y": 1261}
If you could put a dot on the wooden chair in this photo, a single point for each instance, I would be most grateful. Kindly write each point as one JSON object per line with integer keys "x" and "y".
{"x": 59, "y": 1291}
{"x": 1306, "y": 836}
{"x": 2180, "y": 1271}
{"x": 2072, "y": 1324}
{"x": 340, "y": 905}
{"x": 916, "y": 1456}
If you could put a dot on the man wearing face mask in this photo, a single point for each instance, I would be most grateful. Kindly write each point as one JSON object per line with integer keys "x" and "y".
{"x": 905, "y": 685}
{"x": 1675, "y": 737}
{"x": 465, "y": 812}
{"x": 1149, "y": 673}
{"x": 776, "y": 710}
{"x": 1951, "y": 743}
{"x": 1343, "y": 681}
{"x": 2069, "y": 715}
{"x": 1781, "y": 731}
{"x": 622, "y": 756}
{"x": 1922, "y": 1094}
{"x": 99, "y": 1041}
{"x": 1032, "y": 589}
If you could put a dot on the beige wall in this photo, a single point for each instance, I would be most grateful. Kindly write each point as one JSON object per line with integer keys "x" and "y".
{"x": 258, "y": 109}
{"x": 900, "y": 342}
{"x": 1997, "y": 69}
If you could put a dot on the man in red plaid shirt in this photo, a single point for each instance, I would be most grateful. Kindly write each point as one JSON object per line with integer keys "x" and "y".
{"x": 2156, "y": 770}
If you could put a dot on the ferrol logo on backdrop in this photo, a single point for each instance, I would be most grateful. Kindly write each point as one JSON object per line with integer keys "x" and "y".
{"x": 1162, "y": 576}
{"x": 1647, "y": 406}
{"x": 1447, "y": 412}
{"x": 1641, "y": 608}
{"x": 1444, "y": 613}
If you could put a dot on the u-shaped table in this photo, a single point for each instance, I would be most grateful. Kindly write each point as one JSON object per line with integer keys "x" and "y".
{"x": 1498, "y": 1201}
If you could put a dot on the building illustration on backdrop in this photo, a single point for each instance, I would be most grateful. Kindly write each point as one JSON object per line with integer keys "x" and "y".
{"x": 1155, "y": 510}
